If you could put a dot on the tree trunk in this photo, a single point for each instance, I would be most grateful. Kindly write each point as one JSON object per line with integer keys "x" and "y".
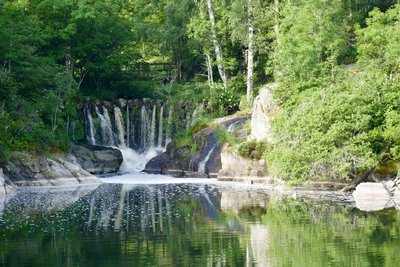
{"x": 217, "y": 46}
{"x": 250, "y": 52}
{"x": 209, "y": 69}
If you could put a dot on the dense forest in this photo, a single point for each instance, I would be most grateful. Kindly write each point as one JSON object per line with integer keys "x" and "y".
{"x": 335, "y": 62}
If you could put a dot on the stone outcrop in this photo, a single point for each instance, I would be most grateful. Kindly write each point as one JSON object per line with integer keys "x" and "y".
{"x": 263, "y": 110}
{"x": 377, "y": 196}
{"x": 60, "y": 169}
{"x": 205, "y": 162}
{"x": 6, "y": 186}
{"x": 237, "y": 168}
{"x": 98, "y": 159}
{"x": 174, "y": 161}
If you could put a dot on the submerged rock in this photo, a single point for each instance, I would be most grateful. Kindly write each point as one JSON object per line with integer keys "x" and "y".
{"x": 372, "y": 197}
{"x": 98, "y": 159}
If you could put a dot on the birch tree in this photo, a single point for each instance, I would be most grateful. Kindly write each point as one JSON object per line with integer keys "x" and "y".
{"x": 217, "y": 45}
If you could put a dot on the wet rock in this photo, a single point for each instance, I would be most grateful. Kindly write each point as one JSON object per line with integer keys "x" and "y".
{"x": 98, "y": 159}
{"x": 372, "y": 197}
{"x": 263, "y": 110}
{"x": 172, "y": 161}
{"x": 206, "y": 160}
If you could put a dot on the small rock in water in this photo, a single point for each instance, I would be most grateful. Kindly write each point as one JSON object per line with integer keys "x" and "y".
{"x": 372, "y": 197}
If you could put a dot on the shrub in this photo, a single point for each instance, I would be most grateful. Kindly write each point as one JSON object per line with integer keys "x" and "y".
{"x": 252, "y": 149}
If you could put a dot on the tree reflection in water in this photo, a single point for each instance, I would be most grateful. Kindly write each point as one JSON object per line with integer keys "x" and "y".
{"x": 189, "y": 225}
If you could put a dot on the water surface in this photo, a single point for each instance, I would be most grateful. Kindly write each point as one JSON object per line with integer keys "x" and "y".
{"x": 190, "y": 225}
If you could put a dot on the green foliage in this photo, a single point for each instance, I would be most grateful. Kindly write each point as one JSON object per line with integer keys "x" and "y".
{"x": 224, "y": 136}
{"x": 252, "y": 149}
{"x": 223, "y": 101}
{"x": 338, "y": 129}
{"x": 313, "y": 36}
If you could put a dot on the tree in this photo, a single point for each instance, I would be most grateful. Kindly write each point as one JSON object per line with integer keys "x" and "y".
{"x": 217, "y": 45}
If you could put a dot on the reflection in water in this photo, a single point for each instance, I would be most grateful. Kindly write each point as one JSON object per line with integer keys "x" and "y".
{"x": 189, "y": 225}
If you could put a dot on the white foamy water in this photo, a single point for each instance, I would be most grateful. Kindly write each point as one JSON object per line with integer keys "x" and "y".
{"x": 135, "y": 161}
{"x": 144, "y": 178}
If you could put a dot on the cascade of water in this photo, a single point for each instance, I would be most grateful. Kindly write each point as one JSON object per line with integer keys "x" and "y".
{"x": 143, "y": 127}
{"x": 203, "y": 163}
{"x": 89, "y": 126}
{"x": 160, "y": 127}
{"x": 106, "y": 129}
{"x": 109, "y": 127}
{"x": 120, "y": 126}
{"x": 128, "y": 127}
{"x": 153, "y": 126}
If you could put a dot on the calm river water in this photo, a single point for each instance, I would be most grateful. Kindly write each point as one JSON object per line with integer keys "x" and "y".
{"x": 190, "y": 225}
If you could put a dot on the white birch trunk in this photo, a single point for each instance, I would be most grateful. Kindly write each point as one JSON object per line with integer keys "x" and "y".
{"x": 250, "y": 52}
{"x": 209, "y": 69}
{"x": 217, "y": 46}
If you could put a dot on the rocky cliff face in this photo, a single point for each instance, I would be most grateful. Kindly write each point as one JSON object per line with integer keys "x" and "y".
{"x": 263, "y": 110}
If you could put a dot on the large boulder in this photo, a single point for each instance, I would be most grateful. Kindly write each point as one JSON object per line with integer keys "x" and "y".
{"x": 264, "y": 109}
{"x": 174, "y": 161}
{"x": 98, "y": 159}
{"x": 60, "y": 169}
{"x": 372, "y": 196}
{"x": 235, "y": 166}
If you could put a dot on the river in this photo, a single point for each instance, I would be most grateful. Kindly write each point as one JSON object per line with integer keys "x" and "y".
{"x": 149, "y": 220}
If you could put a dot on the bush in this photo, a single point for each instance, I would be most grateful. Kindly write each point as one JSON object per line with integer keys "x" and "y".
{"x": 252, "y": 149}
{"x": 224, "y": 137}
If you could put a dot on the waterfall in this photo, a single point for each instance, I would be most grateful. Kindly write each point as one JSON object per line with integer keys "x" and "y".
{"x": 106, "y": 128}
{"x": 160, "y": 127}
{"x": 203, "y": 163}
{"x": 109, "y": 127}
{"x": 120, "y": 126}
{"x": 89, "y": 123}
{"x": 143, "y": 127}
{"x": 153, "y": 126}
{"x": 128, "y": 127}
{"x": 117, "y": 129}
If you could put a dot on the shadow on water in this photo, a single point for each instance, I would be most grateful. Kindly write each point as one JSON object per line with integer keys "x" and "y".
{"x": 189, "y": 225}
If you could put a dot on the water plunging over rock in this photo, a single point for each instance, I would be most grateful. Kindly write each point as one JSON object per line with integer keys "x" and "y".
{"x": 135, "y": 127}
{"x": 206, "y": 162}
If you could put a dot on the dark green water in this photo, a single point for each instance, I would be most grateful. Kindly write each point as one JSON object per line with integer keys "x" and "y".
{"x": 190, "y": 225}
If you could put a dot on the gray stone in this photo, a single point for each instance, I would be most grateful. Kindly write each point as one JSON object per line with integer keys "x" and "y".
{"x": 97, "y": 159}
{"x": 238, "y": 166}
{"x": 264, "y": 109}
{"x": 372, "y": 197}
{"x": 6, "y": 187}
{"x": 60, "y": 169}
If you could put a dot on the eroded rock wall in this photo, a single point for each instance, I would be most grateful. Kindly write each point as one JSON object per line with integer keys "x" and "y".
{"x": 264, "y": 109}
